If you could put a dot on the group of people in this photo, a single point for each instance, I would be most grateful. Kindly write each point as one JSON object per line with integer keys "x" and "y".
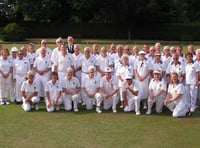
{"x": 101, "y": 77}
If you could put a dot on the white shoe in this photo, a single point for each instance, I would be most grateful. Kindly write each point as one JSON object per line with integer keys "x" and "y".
{"x": 76, "y": 110}
{"x": 138, "y": 113}
{"x": 145, "y": 107}
{"x": 192, "y": 109}
{"x": 114, "y": 111}
{"x": 57, "y": 108}
{"x": 83, "y": 103}
{"x": 126, "y": 109}
{"x": 98, "y": 110}
{"x": 148, "y": 112}
{"x": 7, "y": 102}
{"x": 36, "y": 107}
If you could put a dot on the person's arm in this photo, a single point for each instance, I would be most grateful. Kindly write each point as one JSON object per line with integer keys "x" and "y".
{"x": 49, "y": 99}
{"x": 57, "y": 97}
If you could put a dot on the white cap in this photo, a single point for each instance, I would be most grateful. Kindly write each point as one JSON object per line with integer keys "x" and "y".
{"x": 157, "y": 71}
{"x": 14, "y": 49}
{"x": 129, "y": 76}
{"x": 142, "y": 52}
{"x": 108, "y": 69}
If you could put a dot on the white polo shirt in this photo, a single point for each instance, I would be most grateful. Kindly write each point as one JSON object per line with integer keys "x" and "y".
{"x": 178, "y": 89}
{"x": 86, "y": 63}
{"x": 72, "y": 84}
{"x": 179, "y": 68}
{"x": 108, "y": 86}
{"x": 29, "y": 88}
{"x": 53, "y": 89}
{"x": 5, "y": 65}
{"x": 104, "y": 62}
{"x": 156, "y": 86}
{"x": 91, "y": 84}
{"x": 134, "y": 87}
{"x": 64, "y": 62}
{"x": 42, "y": 63}
{"x": 77, "y": 59}
{"x": 159, "y": 66}
{"x": 20, "y": 67}
{"x": 142, "y": 67}
{"x": 190, "y": 75}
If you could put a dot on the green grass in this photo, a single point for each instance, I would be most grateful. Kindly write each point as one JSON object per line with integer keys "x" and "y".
{"x": 89, "y": 129}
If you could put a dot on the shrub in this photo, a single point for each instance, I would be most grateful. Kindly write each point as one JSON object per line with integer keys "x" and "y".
{"x": 12, "y": 32}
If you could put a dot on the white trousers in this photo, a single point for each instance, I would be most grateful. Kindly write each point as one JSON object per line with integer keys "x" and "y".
{"x": 27, "y": 106}
{"x": 41, "y": 80}
{"x": 89, "y": 101}
{"x": 191, "y": 91}
{"x": 19, "y": 80}
{"x": 159, "y": 101}
{"x": 178, "y": 108}
{"x": 68, "y": 99}
{"x": 52, "y": 108}
{"x": 4, "y": 87}
{"x": 111, "y": 102}
{"x": 133, "y": 104}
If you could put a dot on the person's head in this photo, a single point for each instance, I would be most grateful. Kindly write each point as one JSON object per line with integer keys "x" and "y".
{"x": 166, "y": 50}
{"x": 175, "y": 58}
{"x": 4, "y": 53}
{"x": 44, "y": 43}
{"x": 43, "y": 52}
{"x": 172, "y": 50}
{"x": 152, "y": 50}
{"x": 157, "y": 46}
{"x": 146, "y": 48}
{"x": 142, "y": 54}
{"x": 108, "y": 73}
{"x": 20, "y": 54}
{"x": 70, "y": 40}
{"x": 129, "y": 79}
{"x": 63, "y": 49}
{"x": 124, "y": 59}
{"x": 91, "y": 71}
{"x": 30, "y": 76}
{"x": 103, "y": 51}
{"x": 69, "y": 73}
{"x": 179, "y": 49}
{"x": 157, "y": 56}
{"x": 156, "y": 74}
{"x": 127, "y": 49}
{"x": 135, "y": 50}
{"x": 54, "y": 76}
{"x": 198, "y": 54}
{"x": 191, "y": 48}
{"x": 120, "y": 50}
{"x": 59, "y": 41}
{"x": 95, "y": 48}
{"x": 189, "y": 57}
{"x": 77, "y": 49}
{"x": 112, "y": 48}
{"x": 24, "y": 49}
{"x": 174, "y": 77}
{"x": 31, "y": 47}
{"x": 87, "y": 52}
{"x": 14, "y": 52}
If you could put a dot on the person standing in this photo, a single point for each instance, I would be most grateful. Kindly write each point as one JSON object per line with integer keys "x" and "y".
{"x": 6, "y": 69}
{"x": 70, "y": 45}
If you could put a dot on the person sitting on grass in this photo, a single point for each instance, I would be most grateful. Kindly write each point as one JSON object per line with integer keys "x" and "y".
{"x": 29, "y": 91}
{"x": 53, "y": 92}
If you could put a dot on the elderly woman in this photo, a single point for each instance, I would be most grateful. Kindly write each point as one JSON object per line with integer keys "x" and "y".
{"x": 176, "y": 99}
{"x": 29, "y": 91}
{"x": 71, "y": 89}
{"x": 53, "y": 91}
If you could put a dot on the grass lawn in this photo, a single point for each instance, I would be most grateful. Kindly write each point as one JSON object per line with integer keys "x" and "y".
{"x": 89, "y": 129}
{"x": 92, "y": 130}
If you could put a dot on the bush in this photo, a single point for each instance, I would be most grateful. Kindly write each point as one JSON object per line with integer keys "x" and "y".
{"x": 12, "y": 32}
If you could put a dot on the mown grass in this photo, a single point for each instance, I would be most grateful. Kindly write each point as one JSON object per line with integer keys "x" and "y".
{"x": 89, "y": 129}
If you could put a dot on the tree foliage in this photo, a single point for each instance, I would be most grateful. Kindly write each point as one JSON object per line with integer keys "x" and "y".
{"x": 101, "y": 11}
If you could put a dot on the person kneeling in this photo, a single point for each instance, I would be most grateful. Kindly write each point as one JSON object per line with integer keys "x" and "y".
{"x": 53, "y": 91}
{"x": 29, "y": 91}
{"x": 131, "y": 95}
